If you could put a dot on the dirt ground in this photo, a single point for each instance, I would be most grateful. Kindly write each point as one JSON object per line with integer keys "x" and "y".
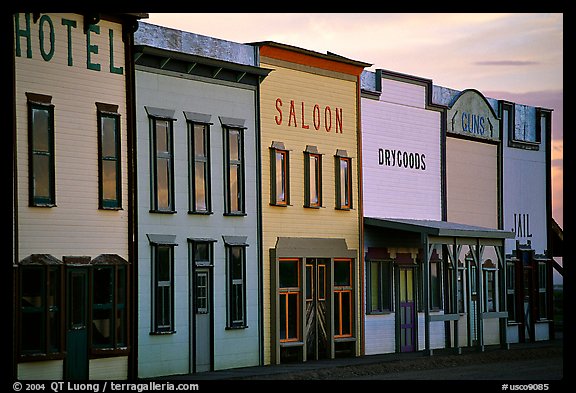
{"x": 443, "y": 363}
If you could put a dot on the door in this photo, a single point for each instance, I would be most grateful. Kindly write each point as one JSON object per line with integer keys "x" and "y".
{"x": 202, "y": 319}
{"x": 526, "y": 334}
{"x": 77, "y": 323}
{"x": 407, "y": 310}
{"x": 317, "y": 293}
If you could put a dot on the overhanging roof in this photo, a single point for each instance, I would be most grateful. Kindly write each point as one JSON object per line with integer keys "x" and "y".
{"x": 438, "y": 228}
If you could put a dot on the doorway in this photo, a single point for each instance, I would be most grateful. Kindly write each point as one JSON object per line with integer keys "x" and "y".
{"x": 316, "y": 308}
{"x": 202, "y": 316}
{"x": 77, "y": 323}
{"x": 407, "y": 310}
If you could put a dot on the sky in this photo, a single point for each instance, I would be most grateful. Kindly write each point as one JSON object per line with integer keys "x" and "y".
{"x": 516, "y": 56}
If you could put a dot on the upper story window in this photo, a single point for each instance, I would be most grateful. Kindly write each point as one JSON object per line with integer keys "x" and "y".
{"x": 524, "y": 125}
{"x": 279, "y": 175}
{"x": 343, "y": 180}
{"x": 312, "y": 177}
{"x": 234, "y": 182}
{"x": 161, "y": 160}
{"x": 109, "y": 166}
{"x": 199, "y": 162}
{"x": 41, "y": 172}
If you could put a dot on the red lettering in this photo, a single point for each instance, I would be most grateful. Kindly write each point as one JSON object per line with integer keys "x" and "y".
{"x": 278, "y": 105}
{"x": 327, "y": 116}
{"x": 316, "y": 116}
{"x": 339, "y": 119}
{"x": 305, "y": 126}
{"x": 292, "y": 114}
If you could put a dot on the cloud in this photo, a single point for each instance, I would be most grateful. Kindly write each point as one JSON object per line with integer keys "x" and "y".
{"x": 506, "y": 63}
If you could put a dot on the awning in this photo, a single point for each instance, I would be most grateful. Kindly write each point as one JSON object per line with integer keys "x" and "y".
{"x": 438, "y": 228}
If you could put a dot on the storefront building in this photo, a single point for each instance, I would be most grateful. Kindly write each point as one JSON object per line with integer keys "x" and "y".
{"x": 526, "y": 153}
{"x": 73, "y": 255}
{"x": 415, "y": 296}
{"x": 311, "y": 204}
{"x": 199, "y": 250}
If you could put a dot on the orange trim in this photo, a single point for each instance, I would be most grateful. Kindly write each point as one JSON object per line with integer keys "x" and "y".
{"x": 310, "y": 60}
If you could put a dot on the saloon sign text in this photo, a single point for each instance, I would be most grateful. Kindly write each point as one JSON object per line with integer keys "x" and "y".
{"x": 309, "y": 116}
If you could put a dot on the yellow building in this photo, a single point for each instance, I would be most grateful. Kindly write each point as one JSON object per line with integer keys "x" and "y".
{"x": 312, "y": 205}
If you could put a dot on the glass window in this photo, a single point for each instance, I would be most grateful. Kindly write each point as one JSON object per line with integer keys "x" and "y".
{"x": 109, "y": 306}
{"x": 379, "y": 287}
{"x": 40, "y": 310}
{"x": 41, "y": 147}
{"x": 109, "y": 160}
{"x": 542, "y": 290}
{"x": 312, "y": 179}
{"x": 236, "y": 271}
{"x": 289, "y": 293}
{"x": 343, "y": 315}
{"x": 163, "y": 296}
{"x": 200, "y": 199}
{"x": 343, "y": 183}
{"x": 234, "y": 172}
{"x": 435, "y": 284}
{"x": 162, "y": 165}
{"x": 511, "y": 291}
{"x": 279, "y": 175}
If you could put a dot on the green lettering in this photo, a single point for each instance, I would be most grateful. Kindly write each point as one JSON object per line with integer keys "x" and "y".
{"x": 23, "y": 33}
{"x": 46, "y": 56}
{"x": 91, "y": 48}
{"x": 113, "y": 70}
{"x": 69, "y": 25}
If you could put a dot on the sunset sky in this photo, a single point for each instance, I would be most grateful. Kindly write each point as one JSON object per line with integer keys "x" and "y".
{"x": 516, "y": 57}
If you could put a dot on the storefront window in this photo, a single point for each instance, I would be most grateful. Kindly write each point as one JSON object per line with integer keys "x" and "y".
{"x": 289, "y": 299}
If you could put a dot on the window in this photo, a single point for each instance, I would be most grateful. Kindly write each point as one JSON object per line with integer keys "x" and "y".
{"x": 343, "y": 181}
{"x": 41, "y": 150}
{"x": 161, "y": 160}
{"x": 289, "y": 293}
{"x": 312, "y": 177}
{"x": 109, "y": 166}
{"x": 162, "y": 283}
{"x": 435, "y": 283}
{"x": 234, "y": 171}
{"x": 490, "y": 300}
{"x": 527, "y": 134}
{"x": 109, "y": 294}
{"x": 40, "y": 306}
{"x": 236, "y": 281}
{"x": 201, "y": 254}
{"x": 543, "y": 123}
{"x": 199, "y": 147}
{"x": 279, "y": 175}
{"x": 542, "y": 290}
{"x": 343, "y": 298}
{"x": 511, "y": 291}
{"x": 379, "y": 287}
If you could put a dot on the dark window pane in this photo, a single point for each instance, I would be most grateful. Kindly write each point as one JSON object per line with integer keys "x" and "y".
{"x": 346, "y": 317}
{"x": 374, "y": 287}
{"x": 108, "y": 137}
{"x": 288, "y": 271}
{"x": 342, "y": 273}
{"x": 309, "y": 288}
{"x": 109, "y": 180}
{"x": 280, "y": 177}
{"x": 201, "y": 252}
{"x": 293, "y": 315}
{"x": 236, "y": 263}
{"x": 163, "y": 264}
{"x": 103, "y": 284}
{"x": 162, "y": 137}
{"x": 41, "y": 124}
{"x": 41, "y": 175}
{"x": 237, "y": 303}
{"x": 102, "y": 328}
{"x": 31, "y": 332}
{"x": 283, "y": 320}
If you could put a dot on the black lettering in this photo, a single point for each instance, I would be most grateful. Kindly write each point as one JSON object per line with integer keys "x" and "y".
{"x": 380, "y": 157}
{"x": 423, "y": 163}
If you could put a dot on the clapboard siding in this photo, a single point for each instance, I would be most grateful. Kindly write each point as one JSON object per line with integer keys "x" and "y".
{"x": 74, "y": 90}
{"x": 472, "y": 182}
{"x": 52, "y": 370}
{"x": 295, "y": 220}
{"x": 380, "y": 334}
{"x": 398, "y": 92}
{"x": 232, "y": 347}
{"x": 114, "y": 368}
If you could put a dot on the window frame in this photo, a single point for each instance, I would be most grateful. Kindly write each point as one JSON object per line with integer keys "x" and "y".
{"x": 156, "y": 327}
{"x": 542, "y": 290}
{"x": 436, "y": 303}
{"x": 43, "y": 103}
{"x": 193, "y": 160}
{"x": 490, "y": 275}
{"x": 118, "y": 304}
{"x": 384, "y": 291}
{"x": 232, "y": 320}
{"x": 228, "y": 164}
{"x": 111, "y": 112}
{"x": 154, "y": 157}
{"x": 338, "y": 293}
{"x": 511, "y": 291}
{"x": 284, "y": 294}
{"x": 310, "y": 153}
{"x": 48, "y": 334}
{"x": 275, "y": 149}
{"x": 342, "y": 156}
